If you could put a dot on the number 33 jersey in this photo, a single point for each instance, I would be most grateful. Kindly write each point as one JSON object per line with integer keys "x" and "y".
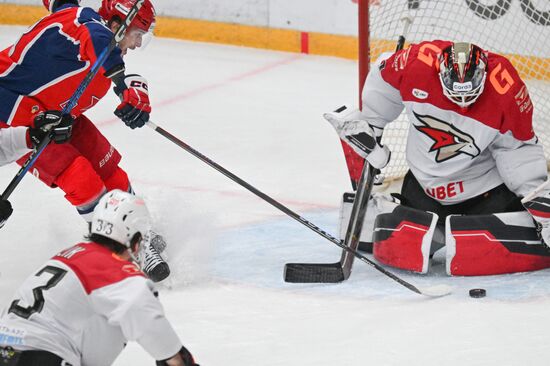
{"x": 458, "y": 153}
{"x": 84, "y": 305}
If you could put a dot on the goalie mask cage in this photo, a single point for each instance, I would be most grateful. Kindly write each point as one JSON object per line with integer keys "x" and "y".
{"x": 518, "y": 29}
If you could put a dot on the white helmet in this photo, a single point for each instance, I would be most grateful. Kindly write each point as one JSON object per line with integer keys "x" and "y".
{"x": 119, "y": 216}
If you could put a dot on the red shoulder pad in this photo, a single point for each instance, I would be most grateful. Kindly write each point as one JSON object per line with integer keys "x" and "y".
{"x": 96, "y": 266}
{"x": 508, "y": 90}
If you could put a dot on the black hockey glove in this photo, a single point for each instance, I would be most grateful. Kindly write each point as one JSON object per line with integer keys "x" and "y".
{"x": 134, "y": 108}
{"x": 59, "y": 127}
{"x": 5, "y": 211}
{"x": 187, "y": 357}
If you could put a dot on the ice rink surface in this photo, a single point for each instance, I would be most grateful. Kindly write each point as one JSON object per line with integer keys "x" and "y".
{"x": 259, "y": 114}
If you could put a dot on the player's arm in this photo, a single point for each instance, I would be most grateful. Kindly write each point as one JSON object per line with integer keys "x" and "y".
{"x": 131, "y": 305}
{"x": 382, "y": 103}
{"x": 133, "y": 90}
{"x": 13, "y": 143}
{"x": 518, "y": 154}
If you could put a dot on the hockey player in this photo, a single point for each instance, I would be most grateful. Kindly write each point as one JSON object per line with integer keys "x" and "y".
{"x": 17, "y": 141}
{"x": 42, "y": 70}
{"x": 471, "y": 148}
{"x": 84, "y": 304}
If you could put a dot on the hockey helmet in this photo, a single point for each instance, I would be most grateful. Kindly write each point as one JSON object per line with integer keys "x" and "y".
{"x": 113, "y": 9}
{"x": 462, "y": 72}
{"x": 119, "y": 216}
{"x": 50, "y": 4}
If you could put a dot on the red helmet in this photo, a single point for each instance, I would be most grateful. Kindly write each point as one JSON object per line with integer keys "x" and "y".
{"x": 144, "y": 20}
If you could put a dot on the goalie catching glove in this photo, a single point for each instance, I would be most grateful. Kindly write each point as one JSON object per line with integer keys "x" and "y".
{"x": 360, "y": 135}
{"x": 538, "y": 205}
{"x": 135, "y": 108}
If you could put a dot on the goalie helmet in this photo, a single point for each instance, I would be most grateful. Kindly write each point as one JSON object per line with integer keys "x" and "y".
{"x": 113, "y": 9}
{"x": 50, "y": 5}
{"x": 462, "y": 72}
{"x": 119, "y": 216}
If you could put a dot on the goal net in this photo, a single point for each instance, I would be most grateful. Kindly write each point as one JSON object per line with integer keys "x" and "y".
{"x": 518, "y": 29}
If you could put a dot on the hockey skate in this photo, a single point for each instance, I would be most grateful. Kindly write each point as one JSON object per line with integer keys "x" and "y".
{"x": 152, "y": 263}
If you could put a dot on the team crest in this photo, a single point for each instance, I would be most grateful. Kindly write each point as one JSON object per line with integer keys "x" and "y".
{"x": 449, "y": 141}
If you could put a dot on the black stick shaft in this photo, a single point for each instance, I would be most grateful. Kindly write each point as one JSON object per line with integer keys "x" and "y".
{"x": 277, "y": 204}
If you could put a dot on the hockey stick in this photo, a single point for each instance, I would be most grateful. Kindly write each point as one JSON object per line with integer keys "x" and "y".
{"x": 432, "y": 292}
{"x": 117, "y": 37}
{"x": 340, "y": 271}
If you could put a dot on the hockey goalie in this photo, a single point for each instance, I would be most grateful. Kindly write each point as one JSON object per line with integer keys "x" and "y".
{"x": 477, "y": 172}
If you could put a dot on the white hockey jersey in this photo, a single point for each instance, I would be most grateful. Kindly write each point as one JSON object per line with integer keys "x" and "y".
{"x": 13, "y": 144}
{"x": 458, "y": 153}
{"x": 84, "y": 305}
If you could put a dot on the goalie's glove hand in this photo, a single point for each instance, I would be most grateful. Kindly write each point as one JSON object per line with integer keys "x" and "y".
{"x": 5, "y": 211}
{"x": 135, "y": 108}
{"x": 52, "y": 123}
{"x": 361, "y": 136}
{"x": 182, "y": 356}
{"x": 538, "y": 205}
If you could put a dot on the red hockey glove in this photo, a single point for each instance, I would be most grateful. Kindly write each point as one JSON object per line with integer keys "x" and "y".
{"x": 187, "y": 357}
{"x": 135, "y": 107}
{"x": 5, "y": 211}
{"x": 54, "y": 123}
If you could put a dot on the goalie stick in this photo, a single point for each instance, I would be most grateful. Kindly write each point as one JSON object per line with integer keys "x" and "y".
{"x": 117, "y": 37}
{"x": 340, "y": 271}
{"x": 432, "y": 292}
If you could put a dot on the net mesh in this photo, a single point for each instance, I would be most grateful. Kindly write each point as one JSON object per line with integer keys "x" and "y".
{"x": 519, "y": 29}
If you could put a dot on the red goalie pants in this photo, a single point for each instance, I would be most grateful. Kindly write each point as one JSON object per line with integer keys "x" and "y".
{"x": 84, "y": 168}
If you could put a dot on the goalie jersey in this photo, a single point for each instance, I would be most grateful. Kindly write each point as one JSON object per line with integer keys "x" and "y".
{"x": 84, "y": 305}
{"x": 458, "y": 153}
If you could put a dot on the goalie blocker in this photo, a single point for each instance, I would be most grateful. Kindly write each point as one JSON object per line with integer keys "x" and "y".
{"x": 477, "y": 245}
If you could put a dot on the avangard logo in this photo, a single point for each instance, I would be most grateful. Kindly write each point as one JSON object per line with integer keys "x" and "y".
{"x": 449, "y": 141}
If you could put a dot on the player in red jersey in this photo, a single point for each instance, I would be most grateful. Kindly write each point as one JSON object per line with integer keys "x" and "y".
{"x": 471, "y": 148}
{"x": 41, "y": 71}
{"x": 84, "y": 304}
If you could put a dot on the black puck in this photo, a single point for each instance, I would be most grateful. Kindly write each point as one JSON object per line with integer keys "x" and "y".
{"x": 478, "y": 292}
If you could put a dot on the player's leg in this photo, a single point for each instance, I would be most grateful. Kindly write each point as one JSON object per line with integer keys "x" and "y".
{"x": 62, "y": 166}
{"x": 105, "y": 159}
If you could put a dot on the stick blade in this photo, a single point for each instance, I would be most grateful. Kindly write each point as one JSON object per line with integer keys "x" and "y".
{"x": 314, "y": 273}
{"x": 437, "y": 291}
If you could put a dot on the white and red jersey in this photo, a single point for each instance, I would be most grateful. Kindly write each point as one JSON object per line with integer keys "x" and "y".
{"x": 458, "y": 153}
{"x": 83, "y": 305}
{"x": 13, "y": 144}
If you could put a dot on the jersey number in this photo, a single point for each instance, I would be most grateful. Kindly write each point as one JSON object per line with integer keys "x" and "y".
{"x": 57, "y": 275}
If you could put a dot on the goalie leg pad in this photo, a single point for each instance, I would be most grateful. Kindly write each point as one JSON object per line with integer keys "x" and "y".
{"x": 403, "y": 238}
{"x": 378, "y": 204}
{"x": 479, "y": 245}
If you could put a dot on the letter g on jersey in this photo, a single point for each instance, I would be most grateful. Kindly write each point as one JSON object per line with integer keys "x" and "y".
{"x": 449, "y": 141}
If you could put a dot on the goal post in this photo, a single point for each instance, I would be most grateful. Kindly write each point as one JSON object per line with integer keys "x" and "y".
{"x": 518, "y": 29}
